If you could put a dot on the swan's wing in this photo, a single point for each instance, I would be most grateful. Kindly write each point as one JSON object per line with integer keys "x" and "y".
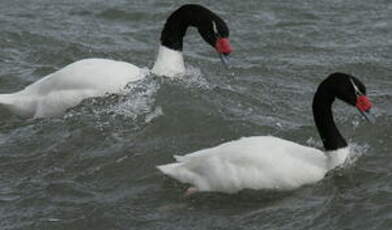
{"x": 254, "y": 163}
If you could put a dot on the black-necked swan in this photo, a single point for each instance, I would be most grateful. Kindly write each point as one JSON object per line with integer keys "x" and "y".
{"x": 67, "y": 87}
{"x": 267, "y": 162}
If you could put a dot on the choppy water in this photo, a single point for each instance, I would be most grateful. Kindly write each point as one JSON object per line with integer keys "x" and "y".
{"x": 94, "y": 168}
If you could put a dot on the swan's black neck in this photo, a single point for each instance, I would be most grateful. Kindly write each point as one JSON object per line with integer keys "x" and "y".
{"x": 189, "y": 15}
{"x": 322, "y": 102}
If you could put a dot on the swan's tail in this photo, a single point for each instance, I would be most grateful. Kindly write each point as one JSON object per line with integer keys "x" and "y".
{"x": 178, "y": 172}
{"x": 6, "y": 100}
{"x": 183, "y": 174}
{"x": 169, "y": 169}
{"x": 19, "y": 104}
{"x": 9, "y": 102}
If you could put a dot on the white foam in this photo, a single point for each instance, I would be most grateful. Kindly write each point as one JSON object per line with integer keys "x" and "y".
{"x": 194, "y": 78}
{"x": 134, "y": 102}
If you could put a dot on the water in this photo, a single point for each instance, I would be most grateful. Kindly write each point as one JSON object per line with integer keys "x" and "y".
{"x": 94, "y": 168}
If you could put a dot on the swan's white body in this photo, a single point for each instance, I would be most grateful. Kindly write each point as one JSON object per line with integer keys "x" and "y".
{"x": 263, "y": 162}
{"x": 67, "y": 87}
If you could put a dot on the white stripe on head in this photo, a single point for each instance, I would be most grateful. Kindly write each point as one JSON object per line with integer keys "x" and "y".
{"x": 214, "y": 27}
{"x": 357, "y": 91}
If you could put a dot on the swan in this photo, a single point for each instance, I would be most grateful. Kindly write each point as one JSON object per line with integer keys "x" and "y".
{"x": 94, "y": 77}
{"x": 267, "y": 162}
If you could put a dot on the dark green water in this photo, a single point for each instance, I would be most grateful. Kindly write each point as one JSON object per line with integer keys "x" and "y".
{"x": 94, "y": 168}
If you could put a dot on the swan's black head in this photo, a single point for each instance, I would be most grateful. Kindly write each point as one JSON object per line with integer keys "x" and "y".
{"x": 211, "y": 27}
{"x": 346, "y": 88}
{"x": 350, "y": 90}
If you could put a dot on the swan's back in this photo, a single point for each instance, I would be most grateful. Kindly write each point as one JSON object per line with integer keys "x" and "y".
{"x": 67, "y": 87}
{"x": 264, "y": 162}
{"x": 88, "y": 74}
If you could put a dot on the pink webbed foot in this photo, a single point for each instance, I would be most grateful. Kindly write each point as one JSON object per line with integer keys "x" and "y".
{"x": 190, "y": 191}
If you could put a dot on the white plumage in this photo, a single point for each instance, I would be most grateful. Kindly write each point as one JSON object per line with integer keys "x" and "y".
{"x": 261, "y": 162}
{"x": 67, "y": 87}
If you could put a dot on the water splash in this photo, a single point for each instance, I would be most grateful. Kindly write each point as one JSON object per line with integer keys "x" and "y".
{"x": 194, "y": 78}
{"x": 135, "y": 104}
{"x": 154, "y": 114}
{"x": 316, "y": 143}
{"x": 356, "y": 151}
